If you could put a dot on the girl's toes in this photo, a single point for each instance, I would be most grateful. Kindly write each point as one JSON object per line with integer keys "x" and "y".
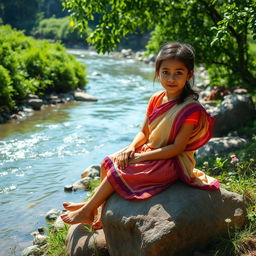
{"x": 65, "y": 218}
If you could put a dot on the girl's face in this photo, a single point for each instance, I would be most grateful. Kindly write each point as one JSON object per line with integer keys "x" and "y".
{"x": 173, "y": 75}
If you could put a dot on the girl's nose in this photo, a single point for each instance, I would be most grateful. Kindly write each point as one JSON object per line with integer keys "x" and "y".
{"x": 170, "y": 77}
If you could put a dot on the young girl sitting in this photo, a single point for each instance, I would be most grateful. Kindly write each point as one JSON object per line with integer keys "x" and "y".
{"x": 175, "y": 126}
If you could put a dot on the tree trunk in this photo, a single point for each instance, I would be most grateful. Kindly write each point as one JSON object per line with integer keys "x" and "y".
{"x": 248, "y": 78}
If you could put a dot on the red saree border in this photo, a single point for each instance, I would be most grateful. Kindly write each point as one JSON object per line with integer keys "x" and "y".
{"x": 120, "y": 187}
{"x": 185, "y": 112}
{"x": 202, "y": 141}
{"x": 161, "y": 110}
{"x": 181, "y": 117}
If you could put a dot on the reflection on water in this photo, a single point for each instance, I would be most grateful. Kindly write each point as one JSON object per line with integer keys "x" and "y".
{"x": 50, "y": 149}
{"x": 49, "y": 114}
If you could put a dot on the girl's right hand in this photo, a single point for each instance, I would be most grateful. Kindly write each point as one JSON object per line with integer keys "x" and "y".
{"x": 124, "y": 156}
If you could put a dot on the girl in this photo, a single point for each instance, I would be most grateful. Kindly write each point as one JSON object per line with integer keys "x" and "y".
{"x": 176, "y": 125}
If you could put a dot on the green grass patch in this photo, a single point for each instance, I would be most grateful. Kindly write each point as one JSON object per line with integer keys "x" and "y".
{"x": 236, "y": 172}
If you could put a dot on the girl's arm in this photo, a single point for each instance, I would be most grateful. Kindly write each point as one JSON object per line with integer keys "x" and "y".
{"x": 142, "y": 136}
{"x": 140, "y": 139}
{"x": 168, "y": 151}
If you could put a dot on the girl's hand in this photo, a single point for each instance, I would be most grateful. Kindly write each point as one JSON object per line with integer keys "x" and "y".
{"x": 124, "y": 156}
{"x": 136, "y": 159}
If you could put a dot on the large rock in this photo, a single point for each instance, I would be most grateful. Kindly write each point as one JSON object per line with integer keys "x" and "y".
{"x": 175, "y": 222}
{"x": 220, "y": 145}
{"x": 81, "y": 242}
{"x": 235, "y": 111}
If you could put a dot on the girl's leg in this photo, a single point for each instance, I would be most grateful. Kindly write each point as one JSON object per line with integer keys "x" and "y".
{"x": 85, "y": 214}
{"x": 75, "y": 206}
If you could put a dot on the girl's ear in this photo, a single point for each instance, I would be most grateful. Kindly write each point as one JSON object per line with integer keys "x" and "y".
{"x": 190, "y": 74}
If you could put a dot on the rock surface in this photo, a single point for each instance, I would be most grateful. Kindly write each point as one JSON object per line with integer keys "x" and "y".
{"x": 234, "y": 111}
{"x": 81, "y": 242}
{"x": 169, "y": 223}
{"x": 220, "y": 145}
{"x": 82, "y": 96}
{"x": 81, "y": 184}
{"x": 33, "y": 250}
{"x": 53, "y": 214}
{"x": 91, "y": 171}
{"x": 36, "y": 104}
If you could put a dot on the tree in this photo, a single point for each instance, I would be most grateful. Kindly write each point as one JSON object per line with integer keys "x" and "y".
{"x": 20, "y": 14}
{"x": 221, "y": 31}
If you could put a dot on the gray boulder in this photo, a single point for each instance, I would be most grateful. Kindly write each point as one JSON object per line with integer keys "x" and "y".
{"x": 177, "y": 221}
{"x": 220, "y": 145}
{"x": 234, "y": 111}
{"x": 80, "y": 242}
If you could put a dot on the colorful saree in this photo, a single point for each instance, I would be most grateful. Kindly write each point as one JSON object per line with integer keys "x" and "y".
{"x": 147, "y": 178}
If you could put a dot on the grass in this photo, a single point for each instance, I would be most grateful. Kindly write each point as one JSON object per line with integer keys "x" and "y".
{"x": 57, "y": 237}
{"x": 236, "y": 172}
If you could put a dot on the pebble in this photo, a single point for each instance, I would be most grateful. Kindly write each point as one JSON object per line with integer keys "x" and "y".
{"x": 68, "y": 188}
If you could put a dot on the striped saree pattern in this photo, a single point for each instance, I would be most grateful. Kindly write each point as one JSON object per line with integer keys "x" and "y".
{"x": 145, "y": 179}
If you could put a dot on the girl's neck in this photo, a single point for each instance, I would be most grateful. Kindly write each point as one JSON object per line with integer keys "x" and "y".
{"x": 171, "y": 97}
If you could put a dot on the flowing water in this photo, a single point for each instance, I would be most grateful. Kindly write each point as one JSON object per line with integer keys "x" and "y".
{"x": 50, "y": 149}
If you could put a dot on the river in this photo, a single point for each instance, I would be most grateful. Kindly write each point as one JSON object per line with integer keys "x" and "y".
{"x": 50, "y": 149}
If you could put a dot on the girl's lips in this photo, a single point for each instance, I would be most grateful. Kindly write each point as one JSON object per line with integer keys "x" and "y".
{"x": 171, "y": 85}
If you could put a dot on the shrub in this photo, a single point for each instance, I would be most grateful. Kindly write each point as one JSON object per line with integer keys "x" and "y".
{"x": 34, "y": 66}
{"x": 6, "y": 90}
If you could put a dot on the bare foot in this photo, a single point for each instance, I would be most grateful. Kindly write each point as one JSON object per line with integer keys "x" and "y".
{"x": 82, "y": 215}
{"x": 72, "y": 206}
{"x": 97, "y": 224}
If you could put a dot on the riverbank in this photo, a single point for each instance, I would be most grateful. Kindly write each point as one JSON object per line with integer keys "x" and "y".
{"x": 36, "y": 103}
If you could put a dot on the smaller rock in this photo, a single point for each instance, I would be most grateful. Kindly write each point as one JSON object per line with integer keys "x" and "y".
{"x": 59, "y": 223}
{"x": 126, "y": 53}
{"x": 36, "y": 104}
{"x": 39, "y": 240}
{"x": 68, "y": 188}
{"x": 95, "y": 73}
{"x": 40, "y": 230}
{"x": 53, "y": 214}
{"x": 31, "y": 251}
{"x": 32, "y": 96}
{"x": 82, "y": 96}
{"x": 219, "y": 145}
{"x": 28, "y": 111}
{"x": 240, "y": 91}
{"x": 54, "y": 99}
{"x": 91, "y": 171}
{"x": 82, "y": 184}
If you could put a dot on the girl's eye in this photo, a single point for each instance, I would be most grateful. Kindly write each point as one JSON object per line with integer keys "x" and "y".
{"x": 165, "y": 72}
{"x": 178, "y": 73}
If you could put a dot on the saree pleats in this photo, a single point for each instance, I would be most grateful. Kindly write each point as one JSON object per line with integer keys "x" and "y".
{"x": 145, "y": 179}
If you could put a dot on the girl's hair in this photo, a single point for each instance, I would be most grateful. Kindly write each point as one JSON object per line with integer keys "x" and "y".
{"x": 184, "y": 53}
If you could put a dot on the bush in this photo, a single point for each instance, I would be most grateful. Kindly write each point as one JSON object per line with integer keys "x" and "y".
{"x": 34, "y": 66}
{"x": 6, "y": 90}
